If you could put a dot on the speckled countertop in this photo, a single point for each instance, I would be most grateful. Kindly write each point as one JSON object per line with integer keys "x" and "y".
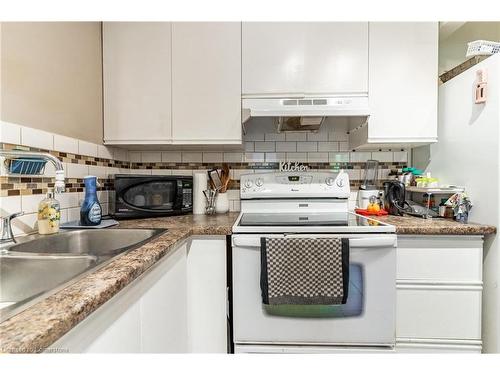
{"x": 40, "y": 325}
{"x": 436, "y": 226}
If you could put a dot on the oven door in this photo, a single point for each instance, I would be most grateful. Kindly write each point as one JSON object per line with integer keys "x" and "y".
{"x": 367, "y": 318}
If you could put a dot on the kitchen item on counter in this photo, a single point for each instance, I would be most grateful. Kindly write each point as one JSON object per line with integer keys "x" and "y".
{"x": 75, "y": 224}
{"x": 200, "y": 183}
{"x": 369, "y": 186}
{"x": 215, "y": 179}
{"x": 461, "y": 205}
{"x": 91, "y": 210}
{"x": 415, "y": 209}
{"x": 210, "y": 196}
{"x": 49, "y": 215}
{"x": 225, "y": 178}
{"x": 363, "y": 212}
{"x": 445, "y": 210}
{"x": 311, "y": 204}
{"x": 395, "y": 197}
{"x": 141, "y": 196}
{"x": 364, "y": 197}
{"x": 222, "y": 203}
{"x": 371, "y": 175}
{"x": 287, "y": 278}
{"x": 373, "y": 205}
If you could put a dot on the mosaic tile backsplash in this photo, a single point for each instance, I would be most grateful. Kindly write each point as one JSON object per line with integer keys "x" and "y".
{"x": 263, "y": 149}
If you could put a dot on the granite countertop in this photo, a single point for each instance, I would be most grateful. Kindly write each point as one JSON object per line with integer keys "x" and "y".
{"x": 40, "y": 325}
{"x": 437, "y": 226}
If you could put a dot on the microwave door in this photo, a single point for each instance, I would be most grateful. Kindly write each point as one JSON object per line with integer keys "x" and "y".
{"x": 151, "y": 196}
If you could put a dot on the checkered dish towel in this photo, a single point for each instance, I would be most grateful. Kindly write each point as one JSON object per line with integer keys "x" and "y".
{"x": 304, "y": 271}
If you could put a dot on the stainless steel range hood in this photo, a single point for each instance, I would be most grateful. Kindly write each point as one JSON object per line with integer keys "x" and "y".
{"x": 305, "y": 113}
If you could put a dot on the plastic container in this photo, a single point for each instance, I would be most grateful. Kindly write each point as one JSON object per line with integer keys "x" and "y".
{"x": 26, "y": 166}
{"x": 49, "y": 215}
{"x": 482, "y": 48}
{"x": 91, "y": 211}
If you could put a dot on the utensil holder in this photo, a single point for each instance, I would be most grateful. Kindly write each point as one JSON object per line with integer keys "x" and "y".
{"x": 222, "y": 203}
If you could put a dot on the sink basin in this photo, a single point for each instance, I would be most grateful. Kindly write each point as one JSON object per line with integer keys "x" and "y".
{"x": 98, "y": 242}
{"x": 40, "y": 265}
{"x": 25, "y": 277}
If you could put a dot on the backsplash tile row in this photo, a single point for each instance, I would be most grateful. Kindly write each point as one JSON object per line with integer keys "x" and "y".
{"x": 262, "y": 151}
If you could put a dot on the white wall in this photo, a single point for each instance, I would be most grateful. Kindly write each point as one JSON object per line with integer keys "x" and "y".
{"x": 52, "y": 77}
{"x": 467, "y": 153}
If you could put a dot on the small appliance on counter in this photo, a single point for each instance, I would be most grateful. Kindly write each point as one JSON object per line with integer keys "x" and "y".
{"x": 140, "y": 196}
{"x": 369, "y": 187}
{"x": 395, "y": 202}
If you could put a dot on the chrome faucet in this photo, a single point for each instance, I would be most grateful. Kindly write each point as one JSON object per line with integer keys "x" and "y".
{"x": 59, "y": 185}
{"x": 7, "y": 234}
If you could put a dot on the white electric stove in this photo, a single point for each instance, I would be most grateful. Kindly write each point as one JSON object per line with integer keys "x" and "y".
{"x": 311, "y": 204}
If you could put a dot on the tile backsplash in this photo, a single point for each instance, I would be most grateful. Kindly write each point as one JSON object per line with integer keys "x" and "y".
{"x": 262, "y": 149}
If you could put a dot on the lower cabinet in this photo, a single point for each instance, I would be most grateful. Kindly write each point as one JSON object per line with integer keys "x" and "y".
{"x": 439, "y": 294}
{"x": 178, "y": 306}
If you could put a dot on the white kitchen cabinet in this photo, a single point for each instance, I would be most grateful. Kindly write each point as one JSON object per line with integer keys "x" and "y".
{"x": 178, "y": 306}
{"x": 206, "y": 83}
{"x": 137, "y": 82}
{"x": 164, "y": 307}
{"x": 207, "y": 295}
{"x": 148, "y": 316}
{"x": 439, "y": 293}
{"x": 304, "y": 58}
{"x": 403, "y": 86}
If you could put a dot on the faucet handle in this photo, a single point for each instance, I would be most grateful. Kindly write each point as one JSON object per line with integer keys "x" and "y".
{"x": 13, "y": 216}
{"x": 7, "y": 234}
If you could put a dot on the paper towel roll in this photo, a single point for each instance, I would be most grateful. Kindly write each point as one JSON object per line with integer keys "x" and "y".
{"x": 199, "y": 184}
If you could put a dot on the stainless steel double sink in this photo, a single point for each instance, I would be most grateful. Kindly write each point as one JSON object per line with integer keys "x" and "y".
{"x": 40, "y": 265}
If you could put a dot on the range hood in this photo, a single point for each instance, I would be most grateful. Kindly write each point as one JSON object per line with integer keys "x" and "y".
{"x": 305, "y": 113}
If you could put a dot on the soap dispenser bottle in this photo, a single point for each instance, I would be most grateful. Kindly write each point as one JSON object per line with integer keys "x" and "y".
{"x": 49, "y": 214}
{"x": 91, "y": 211}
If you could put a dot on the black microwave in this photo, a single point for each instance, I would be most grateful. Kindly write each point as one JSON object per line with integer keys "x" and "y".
{"x": 140, "y": 196}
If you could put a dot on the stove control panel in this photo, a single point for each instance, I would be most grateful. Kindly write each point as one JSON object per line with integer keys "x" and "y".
{"x": 295, "y": 185}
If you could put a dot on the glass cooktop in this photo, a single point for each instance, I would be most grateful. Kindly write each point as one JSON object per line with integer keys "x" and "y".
{"x": 337, "y": 219}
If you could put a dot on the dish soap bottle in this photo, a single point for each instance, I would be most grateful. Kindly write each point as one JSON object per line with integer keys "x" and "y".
{"x": 91, "y": 211}
{"x": 49, "y": 214}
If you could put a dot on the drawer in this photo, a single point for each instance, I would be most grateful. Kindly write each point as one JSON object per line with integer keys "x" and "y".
{"x": 422, "y": 348}
{"x": 443, "y": 258}
{"x": 438, "y": 312}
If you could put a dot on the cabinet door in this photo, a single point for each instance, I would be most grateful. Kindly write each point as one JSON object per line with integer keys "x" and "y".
{"x": 137, "y": 82}
{"x": 336, "y": 57}
{"x": 163, "y": 307}
{"x": 273, "y": 57}
{"x": 207, "y": 303}
{"x": 206, "y": 81}
{"x": 403, "y": 82}
{"x": 304, "y": 58}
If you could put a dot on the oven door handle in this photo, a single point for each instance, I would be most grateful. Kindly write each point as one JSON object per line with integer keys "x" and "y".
{"x": 373, "y": 241}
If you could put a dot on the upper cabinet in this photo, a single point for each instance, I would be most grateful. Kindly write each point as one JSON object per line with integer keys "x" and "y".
{"x": 403, "y": 86}
{"x": 182, "y": 83}
{"x": 172, "y": 83}
{"x": 304, "y": 58}
{"x": 206, "y": 82}
{"x": 137, "y": 82}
